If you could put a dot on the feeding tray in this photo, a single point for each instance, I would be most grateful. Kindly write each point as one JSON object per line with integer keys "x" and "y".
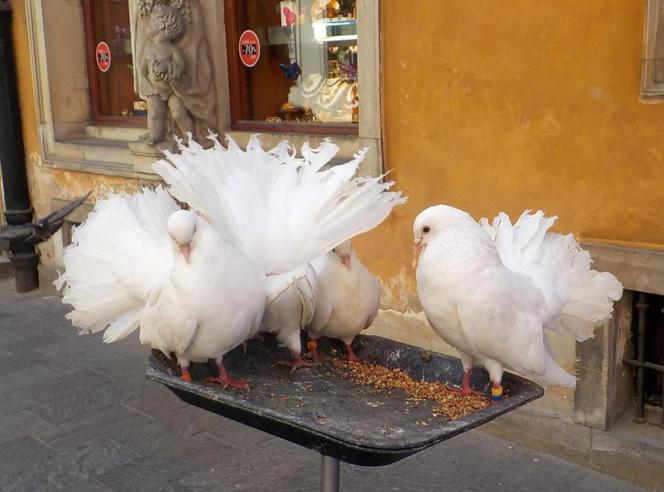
{"x": 323, "y": 409}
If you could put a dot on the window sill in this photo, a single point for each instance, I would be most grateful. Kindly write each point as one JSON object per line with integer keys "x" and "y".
{"x": 118, "y": 151}
{"x": 103, "y": 150}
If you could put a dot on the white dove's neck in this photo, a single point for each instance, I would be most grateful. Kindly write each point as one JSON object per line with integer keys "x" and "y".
{"x": 459, "y": 252}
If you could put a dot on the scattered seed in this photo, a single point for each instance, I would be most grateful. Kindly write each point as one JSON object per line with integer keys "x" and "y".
{"x": 451, "y": 405}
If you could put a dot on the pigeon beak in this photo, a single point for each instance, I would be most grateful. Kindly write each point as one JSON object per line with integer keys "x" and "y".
{"x": 345, "y": 259}
{"x": 417, "y": 250}
{"x": 185, "y": 249}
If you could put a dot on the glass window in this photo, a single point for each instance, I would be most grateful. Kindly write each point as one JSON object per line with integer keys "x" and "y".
{"x": 293, "y": 65}
{"x": 110, "y": 64}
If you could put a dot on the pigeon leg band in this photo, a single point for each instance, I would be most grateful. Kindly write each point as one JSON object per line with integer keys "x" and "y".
{"x": 496, "y": 392}
{"x": 312, "y": 345}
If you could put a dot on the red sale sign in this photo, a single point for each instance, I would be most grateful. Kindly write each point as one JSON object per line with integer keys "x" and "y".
{"x": 103, "y": 56}
{"x": 250, "y": 48}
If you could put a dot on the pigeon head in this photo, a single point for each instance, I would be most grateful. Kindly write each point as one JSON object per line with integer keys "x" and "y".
{"x": 181, "y": 226}
{"x": 344, "y": 251}
{"x": 434, "y": 220}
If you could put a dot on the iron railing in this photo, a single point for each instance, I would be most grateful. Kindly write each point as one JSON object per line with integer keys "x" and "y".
{"x": 645, "y": 334}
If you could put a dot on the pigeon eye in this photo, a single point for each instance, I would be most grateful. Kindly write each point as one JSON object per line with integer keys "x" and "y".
{"x": 426, "y": 229}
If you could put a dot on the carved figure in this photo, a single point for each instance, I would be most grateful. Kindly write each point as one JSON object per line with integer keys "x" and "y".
{"x": 175, "y": 76}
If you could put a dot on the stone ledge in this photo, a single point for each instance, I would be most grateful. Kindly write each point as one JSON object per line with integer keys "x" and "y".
{"x": 638, "y": 268}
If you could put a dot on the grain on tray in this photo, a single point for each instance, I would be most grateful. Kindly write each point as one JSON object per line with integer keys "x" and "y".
{"x": 451, "y": 405}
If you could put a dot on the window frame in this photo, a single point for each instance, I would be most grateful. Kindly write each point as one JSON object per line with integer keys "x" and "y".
{"x": 238, "y": 103}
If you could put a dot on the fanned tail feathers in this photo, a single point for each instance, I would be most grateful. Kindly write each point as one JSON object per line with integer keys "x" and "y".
{"x": 281, "y": 210}
{"x": 579, "y": 296}
{"x": 117, "y": 256}
{"x": 590, "y": 294}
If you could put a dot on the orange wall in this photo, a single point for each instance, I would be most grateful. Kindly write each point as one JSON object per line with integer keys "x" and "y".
{"x": 24, "y": 78}
{"x": 496, "y": 105}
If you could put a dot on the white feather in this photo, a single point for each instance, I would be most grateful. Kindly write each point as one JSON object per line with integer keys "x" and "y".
{"x": 347, "y": 300}
{"x": 491, "y": 289}
{"x": 281, "y": 210}
{"x": 125, "y": 270}
{"x": 577, "y": 297}
{"x": 118, "y": 255}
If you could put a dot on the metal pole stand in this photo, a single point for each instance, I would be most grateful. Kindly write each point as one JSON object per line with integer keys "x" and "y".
{"x": 329, "y": 474}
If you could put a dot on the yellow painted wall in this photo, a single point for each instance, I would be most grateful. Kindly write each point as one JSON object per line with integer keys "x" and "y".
{"x": 506, "y": 105}
{"x": 488, "y": 106}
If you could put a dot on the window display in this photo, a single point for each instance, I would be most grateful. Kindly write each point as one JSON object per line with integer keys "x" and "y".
{"x": 110, "y": 63}
{"x": 293, "y": 63}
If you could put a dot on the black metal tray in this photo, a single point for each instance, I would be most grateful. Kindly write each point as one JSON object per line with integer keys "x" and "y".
{"x": 320, "y": 409}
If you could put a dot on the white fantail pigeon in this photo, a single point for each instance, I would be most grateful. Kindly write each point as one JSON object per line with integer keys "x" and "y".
{"x": 490, "y": 290}
{"x": 282, "y": 211}
{"x": 347, "y": 299}
{"x": 140, "y": 261}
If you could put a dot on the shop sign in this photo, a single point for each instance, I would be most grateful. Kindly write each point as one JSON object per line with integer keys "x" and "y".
{"x": 250, "y": 48}
{"x": 103, "y": 56}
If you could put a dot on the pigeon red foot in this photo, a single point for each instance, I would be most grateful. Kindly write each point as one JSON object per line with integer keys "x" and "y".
{"x": 466, "y": 389}
{"x": 352, "y": 357}
{"x": 226, "y": 380}
{"x": 297, "y": 362}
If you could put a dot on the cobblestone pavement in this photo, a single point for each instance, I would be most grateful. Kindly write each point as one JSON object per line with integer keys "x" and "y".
{"x": 78, "y": 415}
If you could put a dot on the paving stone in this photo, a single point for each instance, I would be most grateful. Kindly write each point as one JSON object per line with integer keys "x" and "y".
{"x": 146, "y": 477}
{"x": 22, "y": 322}
{"x": 13, "y": 363}
{"x": 14, "y": 380}
{"x": 78, "y": 415}
{"x": 79, "y": 405}
{"x": 238, "y": 434}
{"x": 108, "y": 422}
{"x": 87, "y": 351}
{"x": 151, "y": 437}
{"x": 27, "y": 464}
{"x": 20, "y": 424}
{"x": 597, "y": 482}
{"x": 5, "y": 336}
{"x": 63, "y": 386}
{"x": 46, "y": 477}
{"x": 11, "y": 403}
{"x": 98, "y": 456}
{"x": 64, "y": 328}
{"x": 34, "y": 342}
{"x": 91, "y": 485}
{"x": 162, "y": 471}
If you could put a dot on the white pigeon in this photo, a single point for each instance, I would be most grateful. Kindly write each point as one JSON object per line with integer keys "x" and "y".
{"x": 141, "y": 261}
{"x": 347, "y": 300}
{"x": 282, "y": 211}
{"x": 490, "y": 290}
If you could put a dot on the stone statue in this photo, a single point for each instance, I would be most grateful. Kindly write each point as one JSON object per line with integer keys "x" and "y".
{"x": 174, "y": 71}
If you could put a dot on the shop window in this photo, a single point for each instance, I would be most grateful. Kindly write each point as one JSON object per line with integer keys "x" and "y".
{"x": 293, "y": 65}
{"x": 110, "y": 64}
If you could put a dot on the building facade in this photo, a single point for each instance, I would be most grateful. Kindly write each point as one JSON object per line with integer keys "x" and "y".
{"x": 485, "y": 106}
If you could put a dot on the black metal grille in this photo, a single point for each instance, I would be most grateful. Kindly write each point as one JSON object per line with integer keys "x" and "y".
{"x": 648, "y": 358}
